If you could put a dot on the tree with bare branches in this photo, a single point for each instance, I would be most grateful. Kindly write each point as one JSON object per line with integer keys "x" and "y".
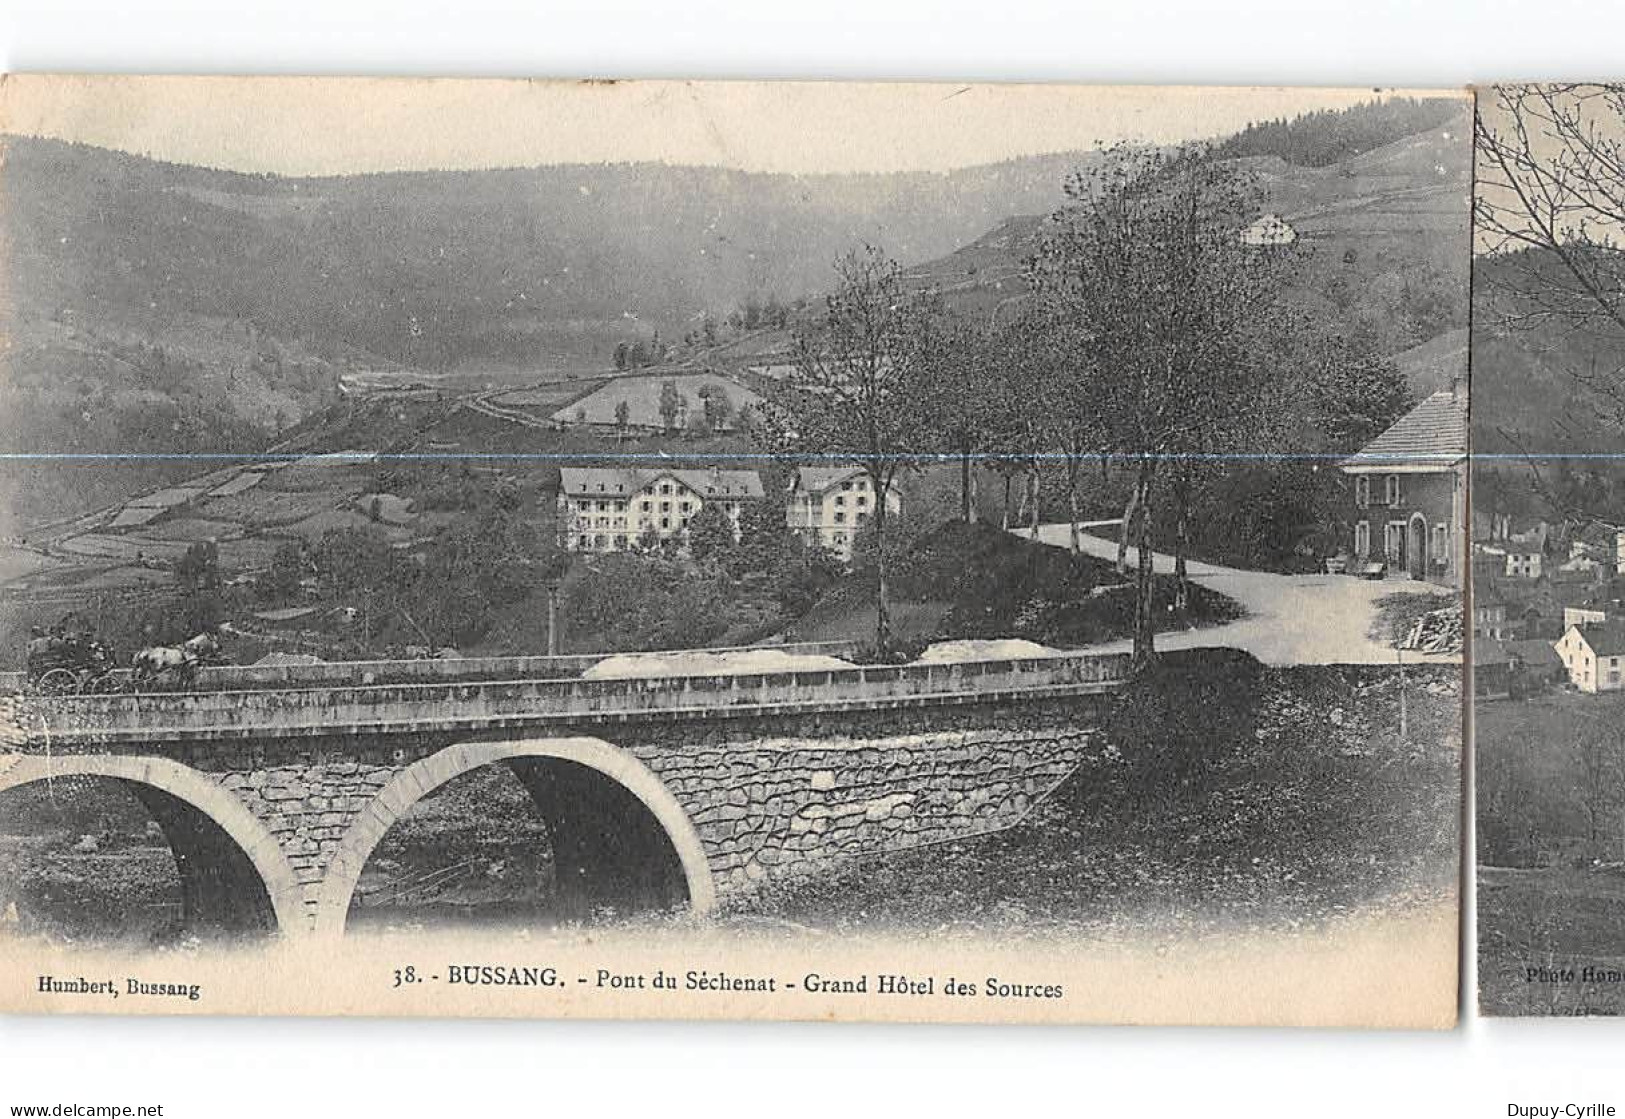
{"x": 1168, "y": 310}
{"x": 856, "y": 387}
{"x": 1550, "y": 203}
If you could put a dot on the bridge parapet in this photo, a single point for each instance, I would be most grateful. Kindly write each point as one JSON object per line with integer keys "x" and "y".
{"x": 102, "y": 720}
{"x": 328, "y": 674}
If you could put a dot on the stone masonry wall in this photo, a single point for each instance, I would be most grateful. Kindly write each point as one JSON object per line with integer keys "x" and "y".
{"x": 308, "y": 792}
{"x": 770, "y": 797}
{"x": 779, "y": 805}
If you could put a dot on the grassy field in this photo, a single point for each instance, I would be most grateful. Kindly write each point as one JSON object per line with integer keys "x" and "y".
{"x": 1540, "y": 930}
{"x": 1551, "y": 883}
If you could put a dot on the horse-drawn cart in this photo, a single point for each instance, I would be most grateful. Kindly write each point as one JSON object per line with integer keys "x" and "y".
{"x": 70, "y": 663}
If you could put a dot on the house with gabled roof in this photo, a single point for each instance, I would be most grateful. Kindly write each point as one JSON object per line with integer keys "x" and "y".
{"x": 609, "y": 509}
{"x": 1410, "y": 491}
{"x": 828, "y": 503}
{"x": 1594, "y": 656}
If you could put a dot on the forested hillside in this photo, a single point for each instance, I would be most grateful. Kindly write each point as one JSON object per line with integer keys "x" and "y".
{"x": 1328, "y": 136}
{"x": 153, "y": 307}
{"x": 1382, "y": 240}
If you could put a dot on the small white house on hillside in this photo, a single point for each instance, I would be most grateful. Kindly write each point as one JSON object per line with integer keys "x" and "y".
{"x": 1594, "y": 656}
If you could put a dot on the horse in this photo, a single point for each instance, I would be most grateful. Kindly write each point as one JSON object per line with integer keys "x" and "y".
{"x": 174, "y": 665}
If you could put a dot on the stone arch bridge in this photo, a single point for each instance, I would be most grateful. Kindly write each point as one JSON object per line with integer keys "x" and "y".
{"x": 274, "y": 785}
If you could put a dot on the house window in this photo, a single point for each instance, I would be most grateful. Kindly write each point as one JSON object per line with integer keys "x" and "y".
{"x": 665, "y": 507}
{"x": 1393, "y": 489}
{"x": 839, "y": 500}
{"x": 644, "y": 505}
{"x": 688, "y": 506}
{"x": 1441, "y": 543}
{"x": 862, "y": 501}
{"x": 665, "y": 487}
{"x": 1362, "y": 490}
{"x": 846, "y": 486}
{"x": 1393, "y": 541}
{"x": 840, "y": 518}
{"x": 1362, "y": 539}
{"x": 665, "y": 522}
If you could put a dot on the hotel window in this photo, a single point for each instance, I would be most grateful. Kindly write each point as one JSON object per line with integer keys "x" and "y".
{"x": 1362, "y": 539}
{"x": 840, "y": 518}
{"x": 1441, "y": 543}
{"x": 862, "y": 501}
{"x": 665, "y": 507}
{"x": 644, "y": 506}
{"x": 839, "y": 500}
{"x": 665, "y": 522}
{"x": 665, "y": 487}
{"x": 1362, "y": 490}
{"x": 1392, "y": 489}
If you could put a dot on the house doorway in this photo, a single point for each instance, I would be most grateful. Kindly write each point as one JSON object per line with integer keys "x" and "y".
{"x": 1416, "y": 547}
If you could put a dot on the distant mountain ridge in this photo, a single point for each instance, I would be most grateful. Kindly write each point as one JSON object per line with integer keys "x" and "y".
{"x": 435, "y": 267}
{"x": 160, "y": 307}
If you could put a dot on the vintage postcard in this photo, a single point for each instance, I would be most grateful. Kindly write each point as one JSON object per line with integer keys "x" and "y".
{"x": 751, "y": 550}
{"x": 1548, "y": 541}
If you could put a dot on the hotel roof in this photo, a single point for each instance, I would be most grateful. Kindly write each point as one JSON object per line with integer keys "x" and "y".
{"x": 609, "y": 481}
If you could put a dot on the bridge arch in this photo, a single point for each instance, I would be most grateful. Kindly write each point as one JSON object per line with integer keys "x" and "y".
{"x": 216, "y": 849}
{"x": 610, "y": 766}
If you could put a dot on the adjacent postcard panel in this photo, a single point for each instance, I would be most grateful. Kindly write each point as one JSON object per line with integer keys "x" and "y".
{"x": 964, "y": 553}
{"x": 1548, "y": 541}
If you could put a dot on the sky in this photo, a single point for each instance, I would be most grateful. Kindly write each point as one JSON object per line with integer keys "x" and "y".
{"x": 1603, "y": 118}
{"x": 322, "y": 126}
